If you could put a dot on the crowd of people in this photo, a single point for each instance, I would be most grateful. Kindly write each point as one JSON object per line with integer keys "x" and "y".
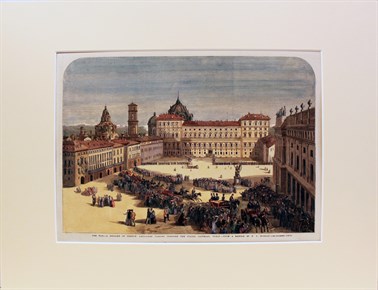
{"x": 281, "y": 207}
{"x": 151, "y": 193}
{"x": 216, "y": 185}
{"x": 216, "y": 220}
{"x": 178, "y": 179}
{"x": 102, "y": 201}
{"x": 218, "y": 216}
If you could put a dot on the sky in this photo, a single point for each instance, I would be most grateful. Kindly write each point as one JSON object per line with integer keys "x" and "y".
{"x": 211, "y": 87}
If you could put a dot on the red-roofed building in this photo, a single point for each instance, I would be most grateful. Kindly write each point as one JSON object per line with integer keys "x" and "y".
{"x": 254, "y": 117}
{"x": 183, "y": 136}
{"x": 85, "y": 161}
{"x": 221, "y": 138}
{"x": 169, "y": 128}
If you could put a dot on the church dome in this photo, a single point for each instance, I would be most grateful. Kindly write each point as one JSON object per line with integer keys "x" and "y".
{"x": 105, "y": 116}
{"x": 152, "y": 120}
{"x": 179, "y": 109}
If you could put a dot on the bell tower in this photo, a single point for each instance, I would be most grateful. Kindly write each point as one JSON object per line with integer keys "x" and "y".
{"x": 133, "y": 120}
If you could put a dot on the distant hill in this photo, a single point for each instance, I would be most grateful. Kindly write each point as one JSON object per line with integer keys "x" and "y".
{"x": 69, "y": 130}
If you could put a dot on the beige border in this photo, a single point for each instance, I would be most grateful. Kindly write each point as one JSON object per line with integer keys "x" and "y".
{"x": 32, "y": 33}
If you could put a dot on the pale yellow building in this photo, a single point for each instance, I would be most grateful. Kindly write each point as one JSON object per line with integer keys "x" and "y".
{"x": 84, "y": 161}
{"x": 224, "y": 139}
{"x": 151, "y": 148}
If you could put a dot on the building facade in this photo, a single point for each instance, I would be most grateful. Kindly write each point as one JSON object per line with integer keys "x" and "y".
{"x": 206, "y": 138}
{"x": 85, "y": 161}
{"x": 264, "y": 149}
{"x": 151, "y": 148}
{"x": 294, "y": 160}
{"x": 169, "y": 128}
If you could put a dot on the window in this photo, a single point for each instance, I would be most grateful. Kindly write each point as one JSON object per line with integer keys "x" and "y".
{"x": 304, "y": 166}
{"x": 312, "y": 153}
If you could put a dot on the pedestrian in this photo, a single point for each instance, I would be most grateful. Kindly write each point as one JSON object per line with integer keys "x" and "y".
{"x": 166, "y": 214}
{"x": 214, "y": 225}
{"x": 148, "y": 219}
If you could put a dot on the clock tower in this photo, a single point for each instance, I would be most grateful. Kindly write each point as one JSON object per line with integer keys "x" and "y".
{"x": 133, "y": 120}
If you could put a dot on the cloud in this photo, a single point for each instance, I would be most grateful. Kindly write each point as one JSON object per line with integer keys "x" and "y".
{"x": 211, "y": 87}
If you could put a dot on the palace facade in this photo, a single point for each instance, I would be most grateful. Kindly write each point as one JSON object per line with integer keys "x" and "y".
{"x": 206, "y": 138}
{"x": 294, "y": 160}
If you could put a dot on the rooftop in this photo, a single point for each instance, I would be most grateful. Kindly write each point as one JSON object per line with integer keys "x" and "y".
{"x": 169, "y": 117}
{"x": 211, "y": 123}
{"x": 250, "y": 116}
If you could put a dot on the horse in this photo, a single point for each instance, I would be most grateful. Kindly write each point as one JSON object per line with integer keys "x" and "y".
{"x": 257, "y": 223}
{"x": 264, "y": 223}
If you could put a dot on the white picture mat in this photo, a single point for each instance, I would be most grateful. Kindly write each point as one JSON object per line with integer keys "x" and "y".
{"x": 31, "y": 34}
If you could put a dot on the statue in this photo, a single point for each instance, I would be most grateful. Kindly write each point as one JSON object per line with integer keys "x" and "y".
{"x": 238, "y": 168}
{"x": 237, "y": 177}
{"x": 309, "y": 104}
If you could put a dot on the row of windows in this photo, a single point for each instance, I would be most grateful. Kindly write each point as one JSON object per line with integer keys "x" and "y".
{"x": 302, "y": 168}
{"x": 249, "y": 144}
{"x": 169, "y": 135}
{"x": 169, "y": 123}
{"x": 255, "y": 134}
{"x": 117, "y": 152}
{"x": 210, "y": 135}
{"x": 118, "y": 160}
{"x": 171, "y": 145}
{"x": 253, "y": 123}
{"x": 255, "y": 129}
{"x": 68, "y": 162}
{"x": 132, "y": 156}
{"x": 100, "y": 158}
{"x": 211, "y": 145}
{"x": 210, "y": 129}
{"x": 156, "y": 156}
{"x": 67, "y": 171}
{"x": 308, "y": 135}
{"x": 303, "y": 149}
{"x": 151, "y": 149}
{"x": 100, "y": 165}
{"x": 204, "y": 152}
{"x": 98, "y": 150}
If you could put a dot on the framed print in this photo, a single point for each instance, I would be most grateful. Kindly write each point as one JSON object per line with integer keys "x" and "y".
{"x": 226, "y": 161}
{"x": 63, "y": 62}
